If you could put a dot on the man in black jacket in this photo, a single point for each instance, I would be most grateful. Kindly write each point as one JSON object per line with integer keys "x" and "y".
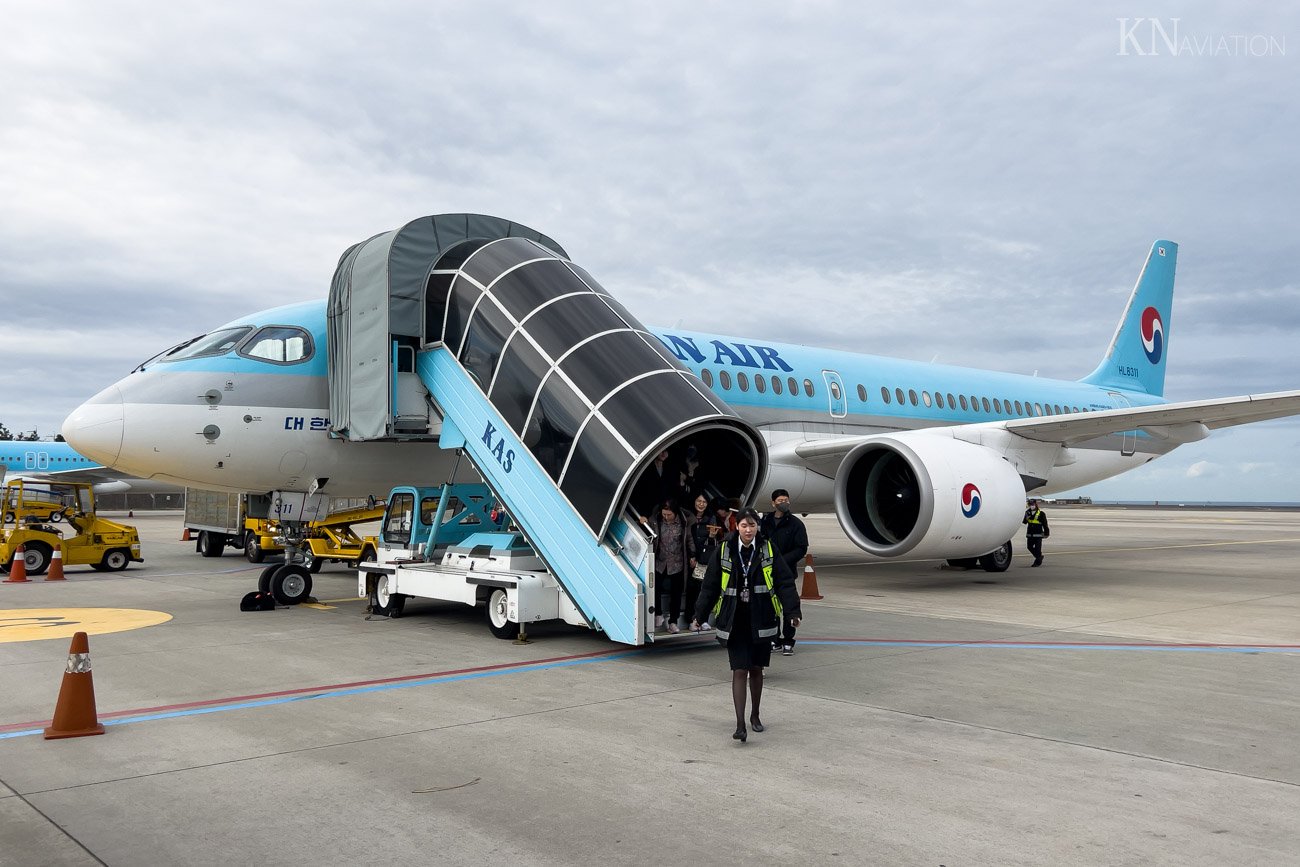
{"x": 790, "y": 538}
{"x": 1036, "y": 530}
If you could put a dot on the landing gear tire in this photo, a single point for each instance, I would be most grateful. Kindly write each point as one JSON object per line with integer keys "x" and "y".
{"x": 211, "y": 544}
{"x": 264, "y": 579}
{"x": 997, "y": 561}
{"x": 497, "y": 620}
{"x": 290, "y": 584}
{"x": 252, "y": 550}
{"x": 115, "y": 560}
{"x": 36, "y": 557}
{"x": 964, "y": 563}
{"x": 383, "y": 602}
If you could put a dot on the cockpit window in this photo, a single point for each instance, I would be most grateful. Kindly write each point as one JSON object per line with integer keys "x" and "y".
{"x": 282, "y": 344}
{"x": 216, "y": 343}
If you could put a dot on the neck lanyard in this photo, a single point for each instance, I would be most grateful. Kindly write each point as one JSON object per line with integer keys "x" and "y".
{"x": 745, "y": 565}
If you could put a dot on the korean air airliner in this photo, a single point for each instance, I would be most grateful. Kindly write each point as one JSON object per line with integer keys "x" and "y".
{"x": 351, "y": 396}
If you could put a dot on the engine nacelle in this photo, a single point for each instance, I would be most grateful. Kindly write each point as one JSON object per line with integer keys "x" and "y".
{"x": 926, "y": 494}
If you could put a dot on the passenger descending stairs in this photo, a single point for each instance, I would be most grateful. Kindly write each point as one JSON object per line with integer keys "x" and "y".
{"x": 608, "y": 579}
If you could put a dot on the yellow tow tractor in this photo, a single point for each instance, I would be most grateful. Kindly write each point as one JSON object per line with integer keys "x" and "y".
{"x": 322, "y": 540}
{"x": 104, "y": 545}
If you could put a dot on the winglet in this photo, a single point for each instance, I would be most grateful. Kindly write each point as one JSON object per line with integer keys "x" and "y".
{"x": 1136, "y": 358}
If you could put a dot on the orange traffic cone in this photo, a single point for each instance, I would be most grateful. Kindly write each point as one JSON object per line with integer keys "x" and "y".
{"x": 18, "y": 572}
{"x": 74, "y": 714}
{"x": 185, "y": 537}
{"x": 56, "y": 564}
{"x": 809, "y": 580}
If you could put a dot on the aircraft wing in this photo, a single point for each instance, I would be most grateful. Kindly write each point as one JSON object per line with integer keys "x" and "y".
{"x": 1185, "y": 422}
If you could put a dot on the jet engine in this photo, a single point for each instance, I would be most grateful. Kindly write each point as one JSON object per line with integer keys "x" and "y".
{"x": 926, "y": 494}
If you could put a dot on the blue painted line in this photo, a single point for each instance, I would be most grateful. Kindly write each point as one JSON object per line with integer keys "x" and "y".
{"x": 977, "y": 645}
{"x": 431, "y": 681}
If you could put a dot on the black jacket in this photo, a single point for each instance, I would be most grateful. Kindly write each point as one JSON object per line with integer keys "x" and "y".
{"x": 763, "y": 617}
{"x": 1039, "y": 529}
{"x": 789, "y": 535}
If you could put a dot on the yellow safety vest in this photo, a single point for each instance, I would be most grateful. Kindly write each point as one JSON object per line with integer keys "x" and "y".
{"x": 766, "y": 562}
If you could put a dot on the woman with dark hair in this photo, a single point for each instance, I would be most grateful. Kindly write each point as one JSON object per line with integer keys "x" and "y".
{"x": 674, "y": 550}
{"x": 706, "y": 533}
{"x": 747, "y": 590}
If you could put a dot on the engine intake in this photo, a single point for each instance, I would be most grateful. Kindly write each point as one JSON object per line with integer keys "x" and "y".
{"x": 927, "y": 495}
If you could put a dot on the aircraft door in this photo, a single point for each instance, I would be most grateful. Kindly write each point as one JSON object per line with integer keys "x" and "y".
{"x": 838, "y": 403}
{"x": 1128, "y": 445}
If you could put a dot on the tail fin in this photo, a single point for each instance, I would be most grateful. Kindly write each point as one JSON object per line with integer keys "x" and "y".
{"x": 1138, "y": 352}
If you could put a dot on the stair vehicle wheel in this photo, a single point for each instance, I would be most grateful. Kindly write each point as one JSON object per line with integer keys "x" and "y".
{"x": 314, "y": 563}
{"x": 56, "y": 517}
{"x": 997, "y": 561}
{"x": 252, "y": 549}
{"x": 290, "y": 584}
{"x": 115, "y": 560}
{"x": 384, "y": 602}
{"x": 367, "y": 556}
{"x": 497, "y": 619}
{"x": 36, "y": 557}
{"x": 264, "y": 579}
{"x": 211, "y": 544}
{"x": 9, "y": 517}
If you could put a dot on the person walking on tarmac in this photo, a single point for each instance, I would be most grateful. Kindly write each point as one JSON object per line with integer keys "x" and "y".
{"x": 784, "y": 529}
{"x": 1036, "y": 530}
{"x": 747, "y": 589}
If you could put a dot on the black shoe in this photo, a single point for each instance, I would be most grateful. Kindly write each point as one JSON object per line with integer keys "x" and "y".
{"x": 741, "y": 735}
{"x": 756, "y": 724}
{"x": 1037, "y": 563}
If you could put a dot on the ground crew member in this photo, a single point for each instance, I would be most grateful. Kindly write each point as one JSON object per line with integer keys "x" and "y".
{"x": 784, "y": 530}
{"x": 747, "y": 588}
{"x": 1036, "y": 530}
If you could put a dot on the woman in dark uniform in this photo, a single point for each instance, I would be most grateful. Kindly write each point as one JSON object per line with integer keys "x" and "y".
{"x": 746, "y": 589}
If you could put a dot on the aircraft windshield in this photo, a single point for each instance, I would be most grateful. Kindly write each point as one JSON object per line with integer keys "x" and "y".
{"x": 216, "y": 343}
{"x": 283, "y": 344}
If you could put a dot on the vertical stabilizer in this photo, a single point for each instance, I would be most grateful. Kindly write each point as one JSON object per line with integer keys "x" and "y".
{"x": 1137, "y": 355}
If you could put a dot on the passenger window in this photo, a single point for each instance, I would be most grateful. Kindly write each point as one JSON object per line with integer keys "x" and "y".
{"x": 794, "y": 385}
{"x": 952, "y": 401}
{"x": 1038, "y": 409}
{"x": 835, "y": 390}
{"x": 963, "y": 402}
{"x": 760, "y": 383}
{"x": 862, "y": 392}
{"x": 742, "y": 380}
{"x": 925, "y": 398}
{"x": 707, "y": 376}
{"x": 884, "y": 394}
{"x": 724, "y": 379}
{"x": 1019, "y": 411}
{"x": 776, "y": 385}
{"x": 997, "y": 406}
{"x": 938, "y": 399}
{"x": 911, "y": 394}
{"x": 808, "y": 388}
{"x": 985, "y": 402}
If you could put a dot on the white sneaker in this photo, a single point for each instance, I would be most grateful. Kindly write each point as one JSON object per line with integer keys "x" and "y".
{"x": 673, "y": 628}
{"x": 705, "y": 625}
{"x": 659, "y": 622}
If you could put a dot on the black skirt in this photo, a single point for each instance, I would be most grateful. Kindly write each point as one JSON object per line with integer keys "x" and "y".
{"x": 743, "y": 652}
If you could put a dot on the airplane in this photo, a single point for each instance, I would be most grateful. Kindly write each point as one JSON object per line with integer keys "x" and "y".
{"x": 921, "y": 460}
{"x": 53, "y": 461}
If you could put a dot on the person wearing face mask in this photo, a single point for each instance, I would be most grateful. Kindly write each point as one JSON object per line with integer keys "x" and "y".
{"x": 790, "y": 537}
{"x": 747, "y": 591}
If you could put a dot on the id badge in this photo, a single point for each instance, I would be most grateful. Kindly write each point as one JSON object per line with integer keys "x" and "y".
{"x": 744, "y": 595}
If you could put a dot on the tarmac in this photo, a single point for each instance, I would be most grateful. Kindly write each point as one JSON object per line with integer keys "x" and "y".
{"x": 1133, "y": 701}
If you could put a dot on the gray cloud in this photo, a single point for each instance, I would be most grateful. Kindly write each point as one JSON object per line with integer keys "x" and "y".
{"x": 974, "y": 183}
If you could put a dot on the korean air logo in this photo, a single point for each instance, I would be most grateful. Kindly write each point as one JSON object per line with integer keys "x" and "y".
{"x": 970, "y": 500}
{"x": 1153, "y": 335}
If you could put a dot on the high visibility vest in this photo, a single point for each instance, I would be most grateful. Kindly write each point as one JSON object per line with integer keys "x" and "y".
{"x": 1036, "y": 518}
{"x": 1035, "y": 522}
{"x": 766, "y": 562}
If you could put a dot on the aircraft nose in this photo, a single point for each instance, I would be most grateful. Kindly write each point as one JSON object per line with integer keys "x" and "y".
{"x": 95, "y": 428}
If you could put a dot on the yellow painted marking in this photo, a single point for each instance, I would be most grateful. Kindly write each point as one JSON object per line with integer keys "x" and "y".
{"x": 35, "y": 624}
{"x": 345, "y": 599}
{"x": 319, "y": 606}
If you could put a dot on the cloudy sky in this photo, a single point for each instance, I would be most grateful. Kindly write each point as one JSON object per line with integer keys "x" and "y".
{"x": 973, "y": 183}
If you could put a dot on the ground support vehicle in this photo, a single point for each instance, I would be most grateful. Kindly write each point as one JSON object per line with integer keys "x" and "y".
{"x": 331, "y": 538}
{"x": 23, "y": 501}
{"x": 85, "y": 539}
{"x": 217, "y": 519}
{"x": 453, "y": 544}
